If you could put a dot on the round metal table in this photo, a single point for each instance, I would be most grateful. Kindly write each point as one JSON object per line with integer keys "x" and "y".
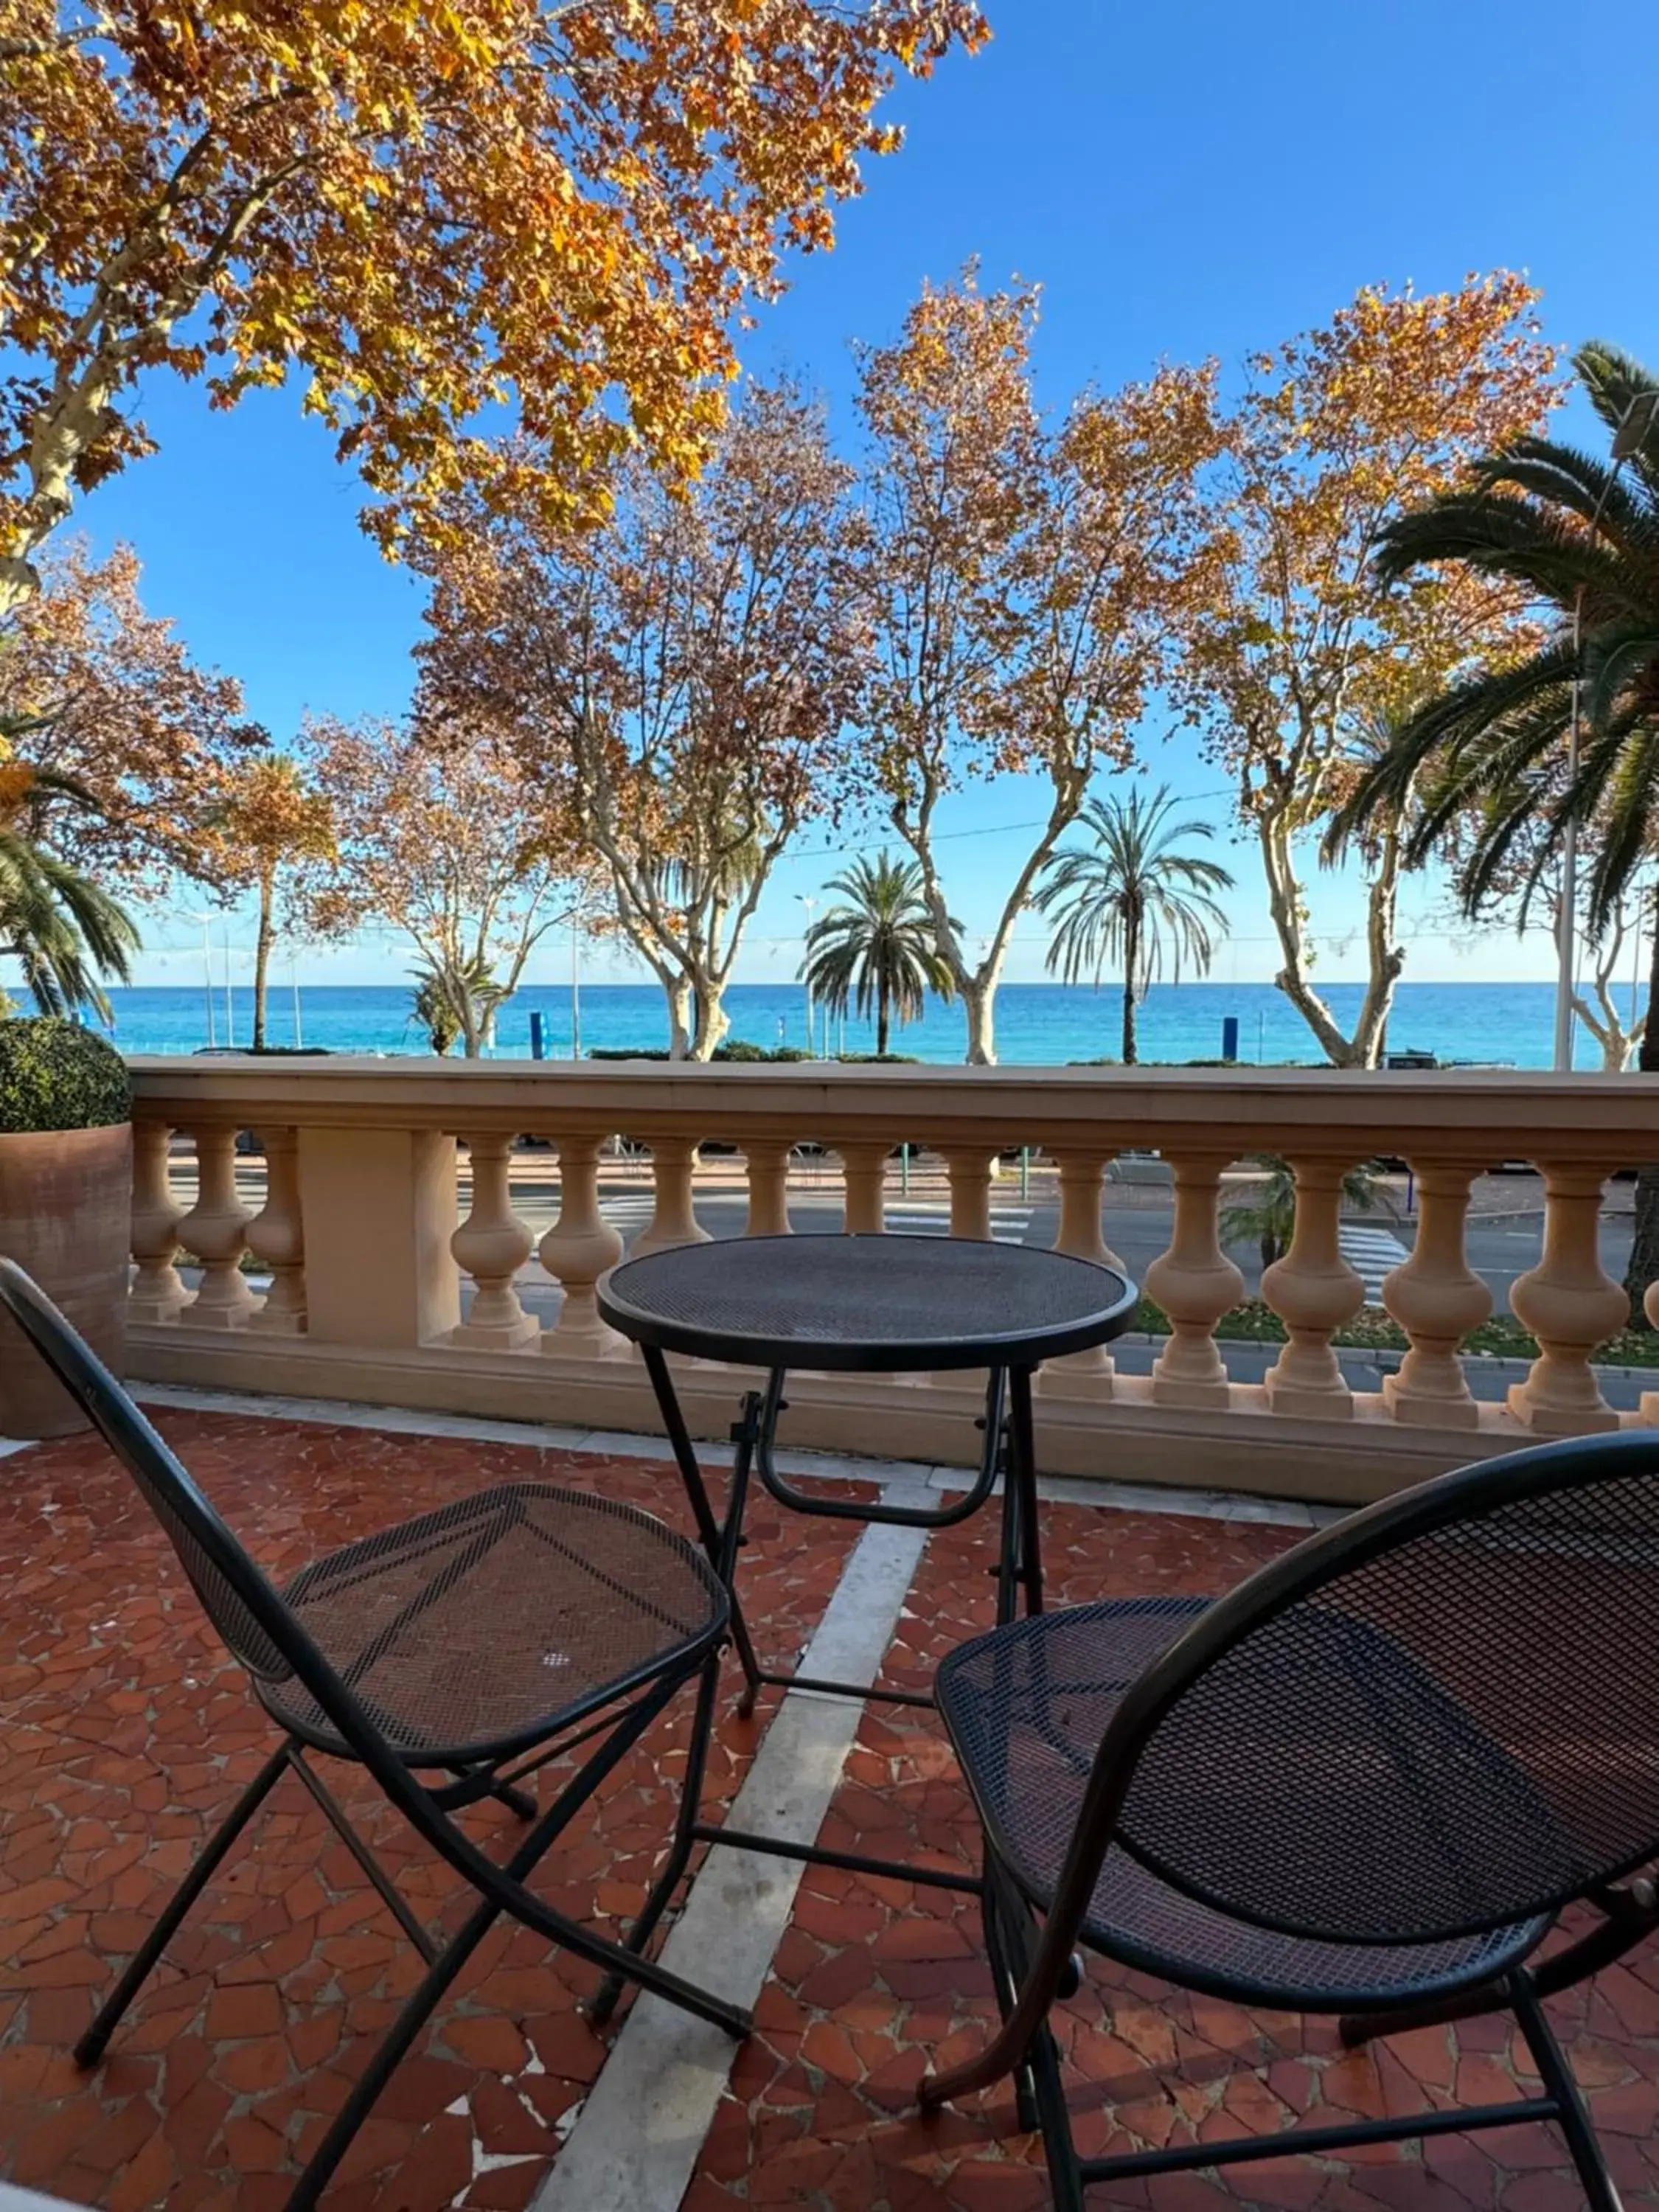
{"x": 868, "y": 1305}
{"x": 863, "y": 1305}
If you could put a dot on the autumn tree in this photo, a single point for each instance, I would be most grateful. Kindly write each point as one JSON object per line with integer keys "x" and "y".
{"x": 94, "y": 688}
{"x": 449, "y": 848}
{"x": 414, "y": 213}
{"x": 270, "y": 831}
{"x": 1306, "y": 652}
{"x": 1023, "y": 584}
{"x": 676, "y": 683}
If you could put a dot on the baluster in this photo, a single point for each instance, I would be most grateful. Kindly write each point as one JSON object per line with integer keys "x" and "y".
{"x": 1081, "y": 1175}
{"x": 1649, "y": 1400}
{"x": 1437, "y": 1298}
{"x": 157, "y": 1294}
{"x": 673, "y": 1165}
{"x": 276, "y": 1235}
{"x": 768, "y": 1167}
{"x": 864, "y": 1178}
{"x": 969, "y": 1175}
{"x": 1571, "y": 1304}
{"x": 970, "y": 1193}
{"x": 491, "y": 1245}
{"x": 216, "y": 1231}
{"x": 1313, "y": 1290}
{"x": 1195, "y": 1283}
{"x": 577, "y": 1251}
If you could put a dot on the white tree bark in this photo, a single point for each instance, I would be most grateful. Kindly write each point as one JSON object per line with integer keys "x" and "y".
{"x": 1385, "y": 957}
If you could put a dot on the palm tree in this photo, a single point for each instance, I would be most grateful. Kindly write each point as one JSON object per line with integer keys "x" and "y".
{"x": 451, "y": 1003}
{"x": 1130, "y": 896}
{"x": 877, "y": 949}
{"x": 1267, "y": 1220}
{"x": 64, "y": 931}
{"x": 1578, "y": 534}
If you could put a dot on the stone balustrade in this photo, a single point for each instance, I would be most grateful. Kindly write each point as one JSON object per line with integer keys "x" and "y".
{"x": 387, "y": 1184}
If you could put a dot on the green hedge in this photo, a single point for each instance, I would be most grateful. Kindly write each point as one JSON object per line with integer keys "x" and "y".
{"x": 56, "y": 1075}
{"x": 737, "y": 1050}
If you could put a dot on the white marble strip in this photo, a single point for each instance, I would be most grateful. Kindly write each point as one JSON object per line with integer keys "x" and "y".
{"x": 636, "y": 2145}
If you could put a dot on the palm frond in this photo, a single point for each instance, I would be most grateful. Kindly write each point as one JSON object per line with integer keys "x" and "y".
{"x": 1132, "y": 888}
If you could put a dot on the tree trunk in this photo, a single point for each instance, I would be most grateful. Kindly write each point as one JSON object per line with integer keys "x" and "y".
{"x": 1285, "y": 905}
{"x": 1131, "y": 968}
{"x": 262, "y": 959}
{"x": 678, "y": 992}
{"x": 713, "y": 1020}
{"x": 883, "y": 1015}
{"x": 1644, "y": 1243}
{"x": 979, "y": 997}
{"x": 1383, "y": 958}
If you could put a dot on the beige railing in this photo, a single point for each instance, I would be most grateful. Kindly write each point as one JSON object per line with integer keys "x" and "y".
{"x": 366, "y": 1249}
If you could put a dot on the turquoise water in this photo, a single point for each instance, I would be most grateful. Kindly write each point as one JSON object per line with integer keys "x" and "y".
{"x": 1037, "y": 1025}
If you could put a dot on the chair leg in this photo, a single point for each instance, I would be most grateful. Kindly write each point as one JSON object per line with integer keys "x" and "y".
{"x": 90, "y": 2048}
{"x": 554, "y": 1926}
{"x": 1039, "y": 2088}
{"x": 416, "y": 2011}
{"x": 1005, "y": 1981}
{"x": 515, "y": 1799}
{"x": 679, "y": 1851}
{"x": 474, "y": 1784}
{"x": 1561, "y": 2084}
{"x": 390, "y": 1895}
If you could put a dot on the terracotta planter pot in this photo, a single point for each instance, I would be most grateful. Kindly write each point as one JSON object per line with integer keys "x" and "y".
{"x": 65, "y": 1215}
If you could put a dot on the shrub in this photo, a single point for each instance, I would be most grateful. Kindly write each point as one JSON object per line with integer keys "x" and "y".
{"x": 56, "y": 1075}
{"x": 737, "y": 1050}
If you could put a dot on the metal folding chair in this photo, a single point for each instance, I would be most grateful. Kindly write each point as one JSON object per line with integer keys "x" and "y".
{"x": 472, "y": 1646}
{"x": 1366, "y": 1783}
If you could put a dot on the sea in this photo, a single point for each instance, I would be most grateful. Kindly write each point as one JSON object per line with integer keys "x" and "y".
{"x": 1037, "y": 1025}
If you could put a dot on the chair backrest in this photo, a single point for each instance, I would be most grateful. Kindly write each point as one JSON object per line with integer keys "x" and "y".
{"x": 1437, "y": 1716}
{"x": 258, "y": 1628}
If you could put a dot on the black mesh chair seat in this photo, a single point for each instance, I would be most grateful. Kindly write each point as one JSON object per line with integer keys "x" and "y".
{"x": 478, "y": 1630}
{"x": 1026, "y": 1708}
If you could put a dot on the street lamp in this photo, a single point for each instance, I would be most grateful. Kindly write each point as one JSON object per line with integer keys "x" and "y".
{"x": 806, "y": 966}
{"x": 1634, "y": 425}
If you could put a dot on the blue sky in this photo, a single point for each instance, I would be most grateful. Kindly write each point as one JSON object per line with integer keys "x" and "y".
{"x": 1189, "y": 178}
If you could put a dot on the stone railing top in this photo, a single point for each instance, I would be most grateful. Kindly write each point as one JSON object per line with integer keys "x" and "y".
{"x": 1482, "y": 1115}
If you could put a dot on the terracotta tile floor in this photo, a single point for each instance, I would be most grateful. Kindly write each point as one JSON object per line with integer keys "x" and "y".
{"x": 126, "y": 1733}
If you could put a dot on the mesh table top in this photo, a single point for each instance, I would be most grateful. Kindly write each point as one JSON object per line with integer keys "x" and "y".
{"x": 871, "y": 1303}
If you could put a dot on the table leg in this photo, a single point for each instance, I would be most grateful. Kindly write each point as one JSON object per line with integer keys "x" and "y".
{"x": 1011, "y": 1550}
{"x": 720, "y": 1540}
{"x": 1022, "y": 1471}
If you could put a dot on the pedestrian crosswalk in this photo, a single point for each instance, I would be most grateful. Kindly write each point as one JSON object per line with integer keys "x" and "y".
{"x": 911, "y": 1217}
{"x": 629, "y": 1212}
{"x": 1371, "y": 1252}
{"x": 628, "y": 1209}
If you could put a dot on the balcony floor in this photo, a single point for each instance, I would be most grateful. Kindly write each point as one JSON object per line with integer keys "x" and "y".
{"x": 127, "y": 1732}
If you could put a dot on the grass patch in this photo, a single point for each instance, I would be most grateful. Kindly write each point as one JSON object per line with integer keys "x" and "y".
{"x": 1372, "y": 1330}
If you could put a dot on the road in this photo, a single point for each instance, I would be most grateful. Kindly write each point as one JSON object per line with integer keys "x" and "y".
{"x": 1498, "y": 1251}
